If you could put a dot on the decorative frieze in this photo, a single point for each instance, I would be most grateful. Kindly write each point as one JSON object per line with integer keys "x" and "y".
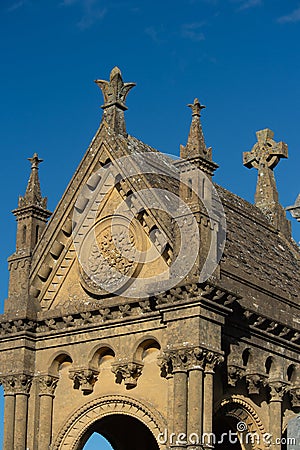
{"x": 84, "y": 379}
{"x": 129, "y": 372}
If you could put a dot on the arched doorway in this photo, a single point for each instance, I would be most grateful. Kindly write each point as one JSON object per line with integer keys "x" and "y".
{"x": 122, "y": 432}
{"x": 127, "y": 424}
{"x": 225, "y": 430}
{"x": 237, "y": 426}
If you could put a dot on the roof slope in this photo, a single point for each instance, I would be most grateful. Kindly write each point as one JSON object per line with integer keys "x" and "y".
{"x": 256, "y": 251}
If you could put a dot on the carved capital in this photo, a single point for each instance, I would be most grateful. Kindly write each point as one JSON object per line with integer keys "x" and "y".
{"x": 212, "y": 360}
{"x": 178, "y": 360}
{"x": 277, "y": 390}
{"x": 23, "y": 384}
{"x": 189, "y": 358}
{"x": 84, "y": 379}
{"x": 234, "y": 374}
{"x": 255, "y": 382}
{"x": 47, "y": 384}
{"x": 294, "y": 392}
{"x": 129, "y": 372}
{"x": 8, "y": 383}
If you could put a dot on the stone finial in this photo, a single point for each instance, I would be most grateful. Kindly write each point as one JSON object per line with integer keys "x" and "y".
{"x": 33, "y": 195}
{"x": 195, "y": 146}
{"x": 114, "y": 93}
{"x": 264, "y": 157}
{"x": 295, "y": 209}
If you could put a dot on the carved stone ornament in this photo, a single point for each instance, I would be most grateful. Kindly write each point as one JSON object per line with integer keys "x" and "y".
{"x": 189, "y": 358}
{"x": 277, "y": 389}
{"x": 234, "y": 374}
{"x": 255, "y": 382}
{"x": 212, "y": 360}
{"x": 128, "y": 372}
{"x": 8, "y": 383}
{"x": 47, "y": 384}
{"x": 84, "y": 379}
{"x": 16, "y": 384}
{"x": 295, "y": 396}
{"x": 110, "y": 255}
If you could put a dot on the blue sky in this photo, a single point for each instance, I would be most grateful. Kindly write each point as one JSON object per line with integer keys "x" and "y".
{"x": 240, "y": 57}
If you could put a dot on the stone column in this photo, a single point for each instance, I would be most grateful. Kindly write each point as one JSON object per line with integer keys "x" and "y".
{"x": 180, "y": 401}
{"x": 47, "y": 385}
{"x": 175, "y": 362}
{"x": 8, "y": 383}
{"x": 275, "y": 411}
{"x": 170, "y": 380}
{"x": 195, "y": 401}
{"x": 22, "y": 388}
{"x": 211, "y": 361}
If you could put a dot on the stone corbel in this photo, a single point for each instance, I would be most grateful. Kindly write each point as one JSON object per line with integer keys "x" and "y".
{"x": 255, "y": 382}
{"x": 294, "y": 392}
{"x": 84, "y": 379}
{"x": 277, "y": 389}
{"x": 234, "y": 374}
{"x": 129, "y": 372}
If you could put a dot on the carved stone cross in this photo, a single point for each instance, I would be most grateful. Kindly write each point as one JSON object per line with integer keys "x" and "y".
{"x": 264, "y": 156}
{"x": 266, "y": 153}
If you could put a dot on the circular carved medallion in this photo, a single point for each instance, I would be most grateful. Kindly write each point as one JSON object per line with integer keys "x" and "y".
{"x": 111, "y": 255}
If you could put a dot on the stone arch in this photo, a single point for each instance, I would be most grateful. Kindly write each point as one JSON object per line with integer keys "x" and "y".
{"x": 144, "y": 344}
{"x": 85, "y": 417}
{"x": 243, "y": 411}
{"x": 271, "y": 365}
{"x": 292, "y": 373}
{"x": 247, "y": 357}
{"x": 57, "y": 360}
{"x": 98, "y": 352}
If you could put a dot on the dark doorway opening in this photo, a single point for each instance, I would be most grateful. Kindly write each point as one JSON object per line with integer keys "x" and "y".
{"x": 123, "y": 432}
{"x": 226, "y": 436}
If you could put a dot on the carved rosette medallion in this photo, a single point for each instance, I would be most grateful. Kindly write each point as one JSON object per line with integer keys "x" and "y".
{"x": 111, "y": 255}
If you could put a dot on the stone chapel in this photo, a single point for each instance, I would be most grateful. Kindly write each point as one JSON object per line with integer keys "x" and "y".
{"x": 152, "y": 306}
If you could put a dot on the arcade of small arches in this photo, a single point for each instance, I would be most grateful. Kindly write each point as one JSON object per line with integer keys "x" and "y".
{"x": 252, "y": 387}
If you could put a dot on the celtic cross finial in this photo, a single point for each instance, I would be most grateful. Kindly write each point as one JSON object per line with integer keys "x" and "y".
{"x": 266, "y": 152}
{"x": 265, "y": 156}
